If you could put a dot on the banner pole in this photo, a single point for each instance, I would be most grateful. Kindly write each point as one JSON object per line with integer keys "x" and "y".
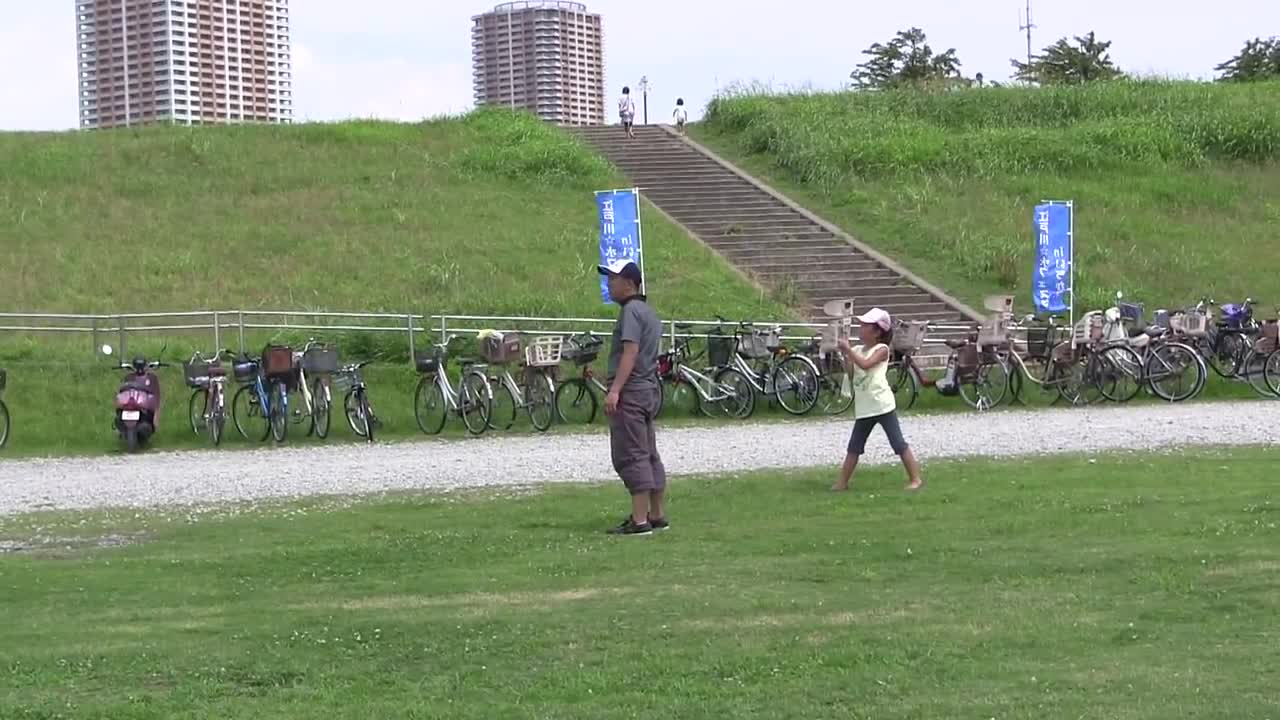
{"x": 639, "y": 239}
{"x": 1071, "y": 268}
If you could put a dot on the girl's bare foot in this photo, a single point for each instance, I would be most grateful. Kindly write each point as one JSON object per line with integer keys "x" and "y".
{"x": 916, "y": 484}
{"x": 839, "y": 487}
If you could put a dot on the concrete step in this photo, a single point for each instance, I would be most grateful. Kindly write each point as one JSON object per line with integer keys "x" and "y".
{"x": 815, "y": 268}
{"x": 808, "y": 238}
{"x": 846, "y": 282}
{"x": 743, "y": 243}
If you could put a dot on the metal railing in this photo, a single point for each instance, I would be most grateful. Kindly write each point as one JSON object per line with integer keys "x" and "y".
{"x": 222, "y": 323}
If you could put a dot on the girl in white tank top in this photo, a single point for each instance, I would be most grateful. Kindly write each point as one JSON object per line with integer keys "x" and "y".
{"x": 873, "y": 399}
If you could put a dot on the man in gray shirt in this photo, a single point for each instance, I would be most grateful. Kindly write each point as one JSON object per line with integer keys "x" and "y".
{"x": 634, "y": 398}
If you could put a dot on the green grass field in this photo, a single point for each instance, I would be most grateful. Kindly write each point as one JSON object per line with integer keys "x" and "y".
{"x": 1126, "y": 587}
{"x": 1175, "y": 184}
{"x": 491, "y": 214}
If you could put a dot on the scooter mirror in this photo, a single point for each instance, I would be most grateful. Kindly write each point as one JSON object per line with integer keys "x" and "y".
{"x": 106, "y": 350}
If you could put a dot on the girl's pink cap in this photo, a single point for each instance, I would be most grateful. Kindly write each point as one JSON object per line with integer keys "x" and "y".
{"x": 878, "y": 317}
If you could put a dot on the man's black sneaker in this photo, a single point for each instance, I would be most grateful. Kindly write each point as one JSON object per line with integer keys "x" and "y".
{"x": 659, "y": 523}
{"x": 630, "y": 528}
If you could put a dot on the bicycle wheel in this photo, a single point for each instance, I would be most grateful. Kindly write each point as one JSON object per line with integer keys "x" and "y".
{"x": 4, "y": 424}
{"x": 1076, "y": 385}
{"x": 540, "y": 401}
{"x": 988, "y": 386}
{"x": 279, "y": 413}
{"x": 1271, "y": 371}
{"x": 795, "y": 380}
{"x": 217, "y": 415}
{"x": 1032, "y": 382}
{"x": 731, "y": 396}
{"x": 197, "y": 408}
{"x": 357, "y": 417}
{"x": 1121, "y": 375}
{"x": 1251, "y": 369}
{"x": 250, "y": 418}
{"x": 1227, "y": 353}
{"x": 366, "y": 411}
{"x": 680, "y": 398}
{"x": 502, "y": 409}
{"x": 903, "y": 382}
{"x": 429, "y": 407}
{"x": 1174, "y": 372}
{"x": 320, "y": 408}
{"x": 474, "y": 403}
{"x": 575, "y": 402}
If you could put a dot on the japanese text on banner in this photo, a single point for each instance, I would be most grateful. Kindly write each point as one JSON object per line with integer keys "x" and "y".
{"x": 619, "y": 230}
{"x": 1051, "y": 278}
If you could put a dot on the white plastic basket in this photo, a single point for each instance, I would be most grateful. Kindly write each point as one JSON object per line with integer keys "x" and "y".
{"x": 909, "y": 337}
{"x": 1193, "y": 324}
{"x": 544, "y": 351}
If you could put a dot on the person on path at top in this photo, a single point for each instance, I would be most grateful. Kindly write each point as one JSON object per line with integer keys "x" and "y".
{"x": 681, "y": 115}
{"x": 627, "y": 112}
{"x": 873, "y": 399}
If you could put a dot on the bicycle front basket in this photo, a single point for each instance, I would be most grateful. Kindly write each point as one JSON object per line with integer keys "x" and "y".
{"x": 196, "y": 373}
{"x": 245, "y": 371}
{"x": 277, "y": 360}
{"x": 426, "y": 363}
{"x": 1038, "y": 340}
{"x": 1131, "y": 312}
{"x": 320, "y": 360}
{"x": 719, "y": 349}
{"x": 499, "y": 350}
{"x": 755, "y": 345}
{"x": 909, "y": 337}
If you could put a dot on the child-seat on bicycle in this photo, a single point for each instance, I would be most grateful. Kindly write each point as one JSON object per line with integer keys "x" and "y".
{"x": 499, "y": 348}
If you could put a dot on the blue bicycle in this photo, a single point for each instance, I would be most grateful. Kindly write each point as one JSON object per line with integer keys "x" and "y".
{"x": 251, "y": 408}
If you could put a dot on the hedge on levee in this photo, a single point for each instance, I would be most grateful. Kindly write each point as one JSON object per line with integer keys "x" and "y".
{"x": 1174, "y": 182}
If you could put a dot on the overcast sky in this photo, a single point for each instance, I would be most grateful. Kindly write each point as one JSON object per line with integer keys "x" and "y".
{"x": 408, "y": 59}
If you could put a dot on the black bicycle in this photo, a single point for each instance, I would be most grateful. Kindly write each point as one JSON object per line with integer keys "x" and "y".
{"x": 355, "y": 404}
{"x": 4, "y": 412}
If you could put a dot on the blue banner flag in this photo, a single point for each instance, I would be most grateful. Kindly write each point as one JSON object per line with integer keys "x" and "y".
{"x": 619, "y": 231}
{"x": 1051, "y": 280}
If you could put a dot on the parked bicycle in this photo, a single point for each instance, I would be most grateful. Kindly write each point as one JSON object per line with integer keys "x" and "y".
{"x": 1171, "y": 369}
{"x": 536, "y": 392}
{"x": 4, "y": 411}
{"x": 207, "y": 408}
{"x": 312, "y": 371}
{"x": 772, "y": 370}
{"x": 355, "y": 403}
{"x": 835, "y": 394}
{"x": 905, "y": 375}
{"x": 728, "y": 394}
{"x": 1228, "y": 338}
{"x": 575, "y": 398}
{"x": 434, "y": 399}
{"x": 251, "y": 405}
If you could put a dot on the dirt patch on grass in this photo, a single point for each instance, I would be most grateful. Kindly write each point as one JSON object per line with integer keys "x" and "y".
{"x": 787, "y": 620}
{"x": 469, "y": 600}
{"x": 54, "y": 546}
{"x": 1246, "y": 569}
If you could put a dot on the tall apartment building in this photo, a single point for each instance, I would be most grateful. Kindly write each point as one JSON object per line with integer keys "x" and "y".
{"x": 542, "y": 55}
{"x": 186, "y": 61}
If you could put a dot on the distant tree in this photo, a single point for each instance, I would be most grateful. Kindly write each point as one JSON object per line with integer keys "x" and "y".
{"x": 1259, "y": 60}
{"x": 1063, "y": 63}
{"x": 906, "y": 60}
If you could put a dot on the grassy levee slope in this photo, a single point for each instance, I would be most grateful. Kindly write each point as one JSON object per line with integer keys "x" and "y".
{"x": 488, "y": 214}
{"x": 1176, "y": 184}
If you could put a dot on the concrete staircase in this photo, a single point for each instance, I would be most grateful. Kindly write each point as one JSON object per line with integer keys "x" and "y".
{"x": 762, "y": 233}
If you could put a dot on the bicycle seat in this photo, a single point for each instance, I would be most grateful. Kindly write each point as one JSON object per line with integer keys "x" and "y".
{"x": 956, "y": 344}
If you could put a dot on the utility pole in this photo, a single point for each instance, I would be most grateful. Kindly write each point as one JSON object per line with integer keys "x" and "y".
{"x": 644, "y": 95}
{"x": 1027, "y": 26}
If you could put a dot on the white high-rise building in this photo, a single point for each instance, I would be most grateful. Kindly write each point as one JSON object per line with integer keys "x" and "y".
{"x": 546, "y": 56}
{"x": 185, "y": 61}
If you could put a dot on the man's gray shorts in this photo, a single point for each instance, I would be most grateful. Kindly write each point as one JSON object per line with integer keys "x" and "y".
{"x": 633, "y": 442}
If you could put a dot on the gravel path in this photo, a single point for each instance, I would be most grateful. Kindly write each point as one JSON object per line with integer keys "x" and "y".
{"x": 204, "y": 477}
